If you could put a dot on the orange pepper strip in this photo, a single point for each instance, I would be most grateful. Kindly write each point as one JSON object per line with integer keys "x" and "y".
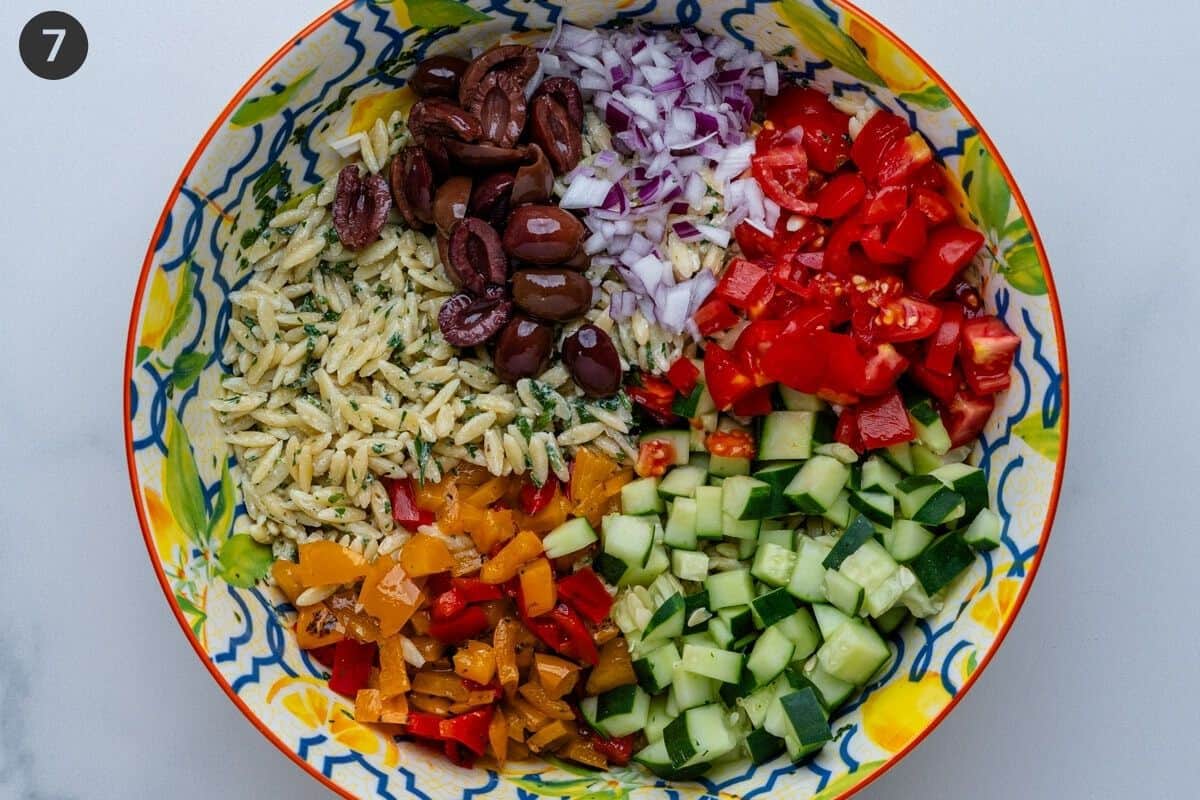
{"x": 425, "y": 555}
{"x": 395, "y": 710}
{"x": 433, "y": 496}
{"x": 538, "y": 588}
{"x": 489, "y": 528}
{"x": 393, "y": 671}
{"x": 475, "y": 699}
{"x": 550, "y": 735}
{"x": 521, "y": 550}
{"x": 440, "y": 684}
{"x": 429, "y": 648}
{"x": 498, "y": 736}
{"x": 289, "y": 579}
{"x": 516, "y": 726}
{"x": 582, "y": 751}
{"x": 429, "y": 704}
{"x": 475, "y": 661}
{"x": 517, "y": 751}
{"x": 368, "y": 705}
{"x": 317, "y": 626}
{"x": 323, "y": 562}
{"x": 557, "y": 675}
{"x": 531, "y": 717}
{"x": 388, "y": 595}
{"x": 555, "y": 709}
{"x": 614, "y": 669}
{"x": 504, "y": 647}
{"x": 488, "y": 493}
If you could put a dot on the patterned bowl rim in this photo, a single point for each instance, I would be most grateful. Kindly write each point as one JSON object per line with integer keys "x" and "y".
{"x": 218, "y": 124}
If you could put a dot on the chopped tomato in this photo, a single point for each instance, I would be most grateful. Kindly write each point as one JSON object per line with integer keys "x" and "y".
{"x": 846, "y": 431}
{"x": 907, "y": 237}
{"x": 724, "y": 377}
{"x": 826, "y": 130}
{"x": 900, "y": 160}
{"x": 843, "y": 256}
{"x": 754, "y": 242}
{"x": 755, "y": 404}
{"x": 840, "y": 196}
{"x": 950, "y": 248}
{"x": 535, "y": 498}
{"x": 714, "y": 316}
{"x": 933, "y": 206}
{"x": 881, "y": 370}
{"x": 752, "y": 345}
{"x": 742, "y": 284}
{"x": 654, "y": 456}
{"x": 797, "y": 359}
{"x": 942, "y": 386}
{"x": 845, "y": 368}
{"x": 943, "y": 347}
{"x": 782, "y": 172}
{"x": 873, "y": 245}
{"x": 988, "y": 350}
{"x": 881, "y": 131}
{"x": 683, "y": 375}
{"x": 965, "y": 416}
{"x": 654, "y": 395}
{"x": 900, "y": 319}
{"x": 730, "y": 444}
{"x": 883, "y": 421}
{"x": 886, "y": 205}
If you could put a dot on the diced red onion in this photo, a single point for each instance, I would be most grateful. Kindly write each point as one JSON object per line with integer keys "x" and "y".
{"x": 586, "y": 192}
{"x": 687, "y": 231}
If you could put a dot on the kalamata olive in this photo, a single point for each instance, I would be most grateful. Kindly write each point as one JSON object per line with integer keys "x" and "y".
{"x": 435, "y": 150}
{"x": 476, "y": 255}
{"x": 491, "y": 199}
{"x": 443, "y": 246}
{"x": 360, "y": 207}
{"x": 485, "y": 156}
{"x": 544, "y": 235}
{"x": 437, "y": 116}
{"x": 580, "y": 262}
{"x": 411, "y": 178}
{"x": 593, "y": 362}
{"x": 466, "y": 321}
{"x": 499, "y": 103}
{"x": 556, "y": 133}
{"x": 523, "y": 349}
{"x": 450, "y": 202}
{"x": 533, "y": 181}
{"x": 516, "y": 60}
{"x": 554, "y": 294}
{"x": 438, "y": 76}
{"x": 566, "y": 93}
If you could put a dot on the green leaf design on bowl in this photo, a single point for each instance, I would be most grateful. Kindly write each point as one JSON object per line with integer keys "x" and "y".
{"x": 244, "y": 561}
{"x": 987, "y": 193}
{"x": 256, "y": 109}
{"x": 1023, "y": 269}
{"x": 848, "y": 781}
{"x": 183, "y": 304}
{"x": 1035, "y": 434}
{"x": 187, "y": 369}
{"x": 827, "y": 40}
{"x": 931, "y": 97}
{"x": 181, "y": 482}
{"x": 441, "y": 13}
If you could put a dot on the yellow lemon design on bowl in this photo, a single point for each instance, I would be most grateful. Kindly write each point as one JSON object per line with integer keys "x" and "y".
{"x": 899, "y": 712}
{"x": 890, "y": 62}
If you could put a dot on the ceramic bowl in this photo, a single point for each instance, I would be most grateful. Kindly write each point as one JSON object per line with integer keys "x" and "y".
{"x": 337, "y": 76}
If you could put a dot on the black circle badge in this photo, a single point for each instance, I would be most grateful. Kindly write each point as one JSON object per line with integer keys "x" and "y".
{"x": 53, "y": 45}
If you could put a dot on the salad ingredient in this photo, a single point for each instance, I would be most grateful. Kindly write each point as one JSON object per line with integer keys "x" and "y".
{"x": 552, "y": 294}
{"x": 533, "y": 181}
{"x": 491, "y": 199}
{"x": 436, "y": 119}
{"x": 592, "y": 360}
{"x": 558, "y": 135}
{"x": 523, "y": 349}
{"x": 360, "y": 207}
{"x": 499, "y": 103}
{"x": 476, "y": 258}
{"x": 438, "y": 76}
{"x": 541, "y": 234}
{"x": 467, "y": 321}
{"x": 450, "y": 202}
{"x": 411, "y": 179}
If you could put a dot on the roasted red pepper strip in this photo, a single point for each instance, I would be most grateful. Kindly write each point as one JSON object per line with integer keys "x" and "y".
{"x": 404, "y": 504}
{"x": 714, "y": 316}
{"x": 424, "y": 726}
{"x": 469, "y": 729}
{"x": 474, "y": 590}
{"x": 447, "y": 605}
{"x": 883, "y": 421}
{"x": 618, "y": 750}
{"x": 352, "y": 662}
{"x": 584, "y": 592}
{"x": 470, "y": 622}
{"x": 534, "y": 498}
{"x": 580, "y": 642}
{"x": 724, "y": 378}
{"x": 683, "y": 375}
{"x": 742, "y": 283}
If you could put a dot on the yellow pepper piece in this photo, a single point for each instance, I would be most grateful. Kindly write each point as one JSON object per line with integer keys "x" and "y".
{"x": 537, "y": 587}
{"x": 289, "y": 579}
{"x": 475, "y": 661}
{"x": 440, "y": 684}
{"x": 317, "y": 626}
{"x": 525, "y": 547}
{"x": 614, "y": 669}
{"x": 368, "y": 705}
{"x": 498, "y": 737}
{"x": 488, "y": 529}
{"x": 388, "y": 595}
{"x": 555, "y": 709}
{"x": 393, "y": 671}
{"x": 504, "y": 647}
{"x": 425, "y": 555}
{"x": 583, "y": 752}
{"x": 488, "y": 493}
{"x": 549, "y": 736}
{"x": 395, "y": 710}
{"x": 556, "y": 675}
{"x": 324, "y": 562}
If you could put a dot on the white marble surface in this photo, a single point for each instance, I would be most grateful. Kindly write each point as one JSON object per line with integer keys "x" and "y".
{"x": 1093, "y": 695}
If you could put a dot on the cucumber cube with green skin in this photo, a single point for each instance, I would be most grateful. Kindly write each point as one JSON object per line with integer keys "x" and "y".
{"x": 891, "y": 620}
{"x": 572, "y": 535}
{"x": 942, "y": 562}
{"x": 808, "y": 576}
{"x": 732, "y": 588}
{"x": 712, "y": 662}
{"x": 927, "y": 424}
{"x": 906, "y": 539}
{"x": 728, "y": 466}
{"x": 772, "y": 607}
{"x": 773, "y": 564}
{"x": 689, "y": 565}
{"x": 943, "y": 506}
{"x": 783, "y": 537}
{"x": 770, "y": 656}
{"x": 699, "y": 734}
{"x": 833, "y": 692}
{"x": 628, "y": 538}
{"x": 682, "y": 481}
{"x": 853, "y": 653}
{"x": 622, "y": 711}
{"x": 655, "y": 669}
{"x": 968, "y": 481}
{"x": 743, "y": 529}
{"x": 843, "y": 593}
{"x": 879, "y": 507}
{"x": 806, "y": 716}
{"x": 829, "y": 619}
{"x": 743, "y": 497}
{"x": 778, "y": 475}
{"x": 680, "y": 531}
{"x": 840, "y": 513}
{"x": 690, "y": 690}
{"x": 762, "y": 746}
{"x": 641, "y": 497}
{"x": 817, "y": 484}
{"x": 859, "y": 531}
{"x": 802, "y": 629}
{"x": 985, "y": 530}
{"x": 870, "y": 565}
{"x": 666, "y": 622}
{"x": 658, "y": 718}
{"x": 709, "y": 522}
{"x": 658, "y": 563}
{"x": 787, "y": 435}
{"x": 900, "y": 457}
{"x": 879, "y": 475}
{"x": 799, "y": 401}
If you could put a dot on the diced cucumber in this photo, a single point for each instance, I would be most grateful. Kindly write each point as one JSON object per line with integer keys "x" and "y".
{"x": 743, "y": 497}
{"x": 763, "y": 747}
{"x": 968, "y": 481}
{"x": 816, "y": 485}
{"x": 900, "y": 457}
{"x": 654, "y": 758}
{"x": 802, "y": 629}
{"x": 859, "y": 531}
{"x": 773, "y": 564}
{"x": 879, "y": 475}
{"x": 678, "y": 442}
{"x": 691, "y": 604}
{"x": 918, "y": 601}
{"x": 611, "y": 568}
{"x": 628, "y": 538}
{"x": 985, "y": 530}
{"x": 770, "y": 655}
{"x": 797, "y": 752}
{"x": 829, "y": 619}
{"x": 699, "y": 460}
{"x": 924, "y": 460}
{"x": 719, "y": 630}
{"x": 771, "y": 607}
{"x": 655, "y": 669}
{"x": 906, "y": 540}
{"x": 928, "y": 425}
{"x": 727, "y": 466}
{"x": 786, "y": 435}
{"x": 689, "y": 405}
{"x": 658, "y": 563}
{"x": 778, "y": 475}
{"x": 569, "y": 537}
{"x": 746, "y": 547}
{"x": 870, "y": 565}
{"x": 744, "y": 529}
{"x": 699, "y": 734}
{"x": 853, "y": 653}
{"x": 891, "y": 620}
{"x": 799, "y": 401}
{"x": 717, "y": 664}
{"x": 689, "y": 565}
{"x": 666, "y": 622}
{"x": 943, "y": 561}
{"x": 587, "y": 707}
{"x": 756, "y": 704}
{"x": 825, "y": 427}
{"x": 641, "y": 497}
{"x": 883, "y": 597}
{"x": 622, "y": 711}
{"x": 879, "y": 507}
{"x": 808, "y": 577}
{"x": 682, "y": 481}
{"x": 739, "y": 618}
{"x": 731, "y": 588}
{"x": 690, "y": 690}
{"x": 833, "y": 691}
{"x": 657, "y": 718}
{"x": 843, "y": 593}
{"x": 840, "y": 513}
{"x": 708, "y": 512}
{"x": 680, "y": 531}
{"x": 775, "y": 722}
{"x": 784, "y": 537}
{"x": 806, "y": 716}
